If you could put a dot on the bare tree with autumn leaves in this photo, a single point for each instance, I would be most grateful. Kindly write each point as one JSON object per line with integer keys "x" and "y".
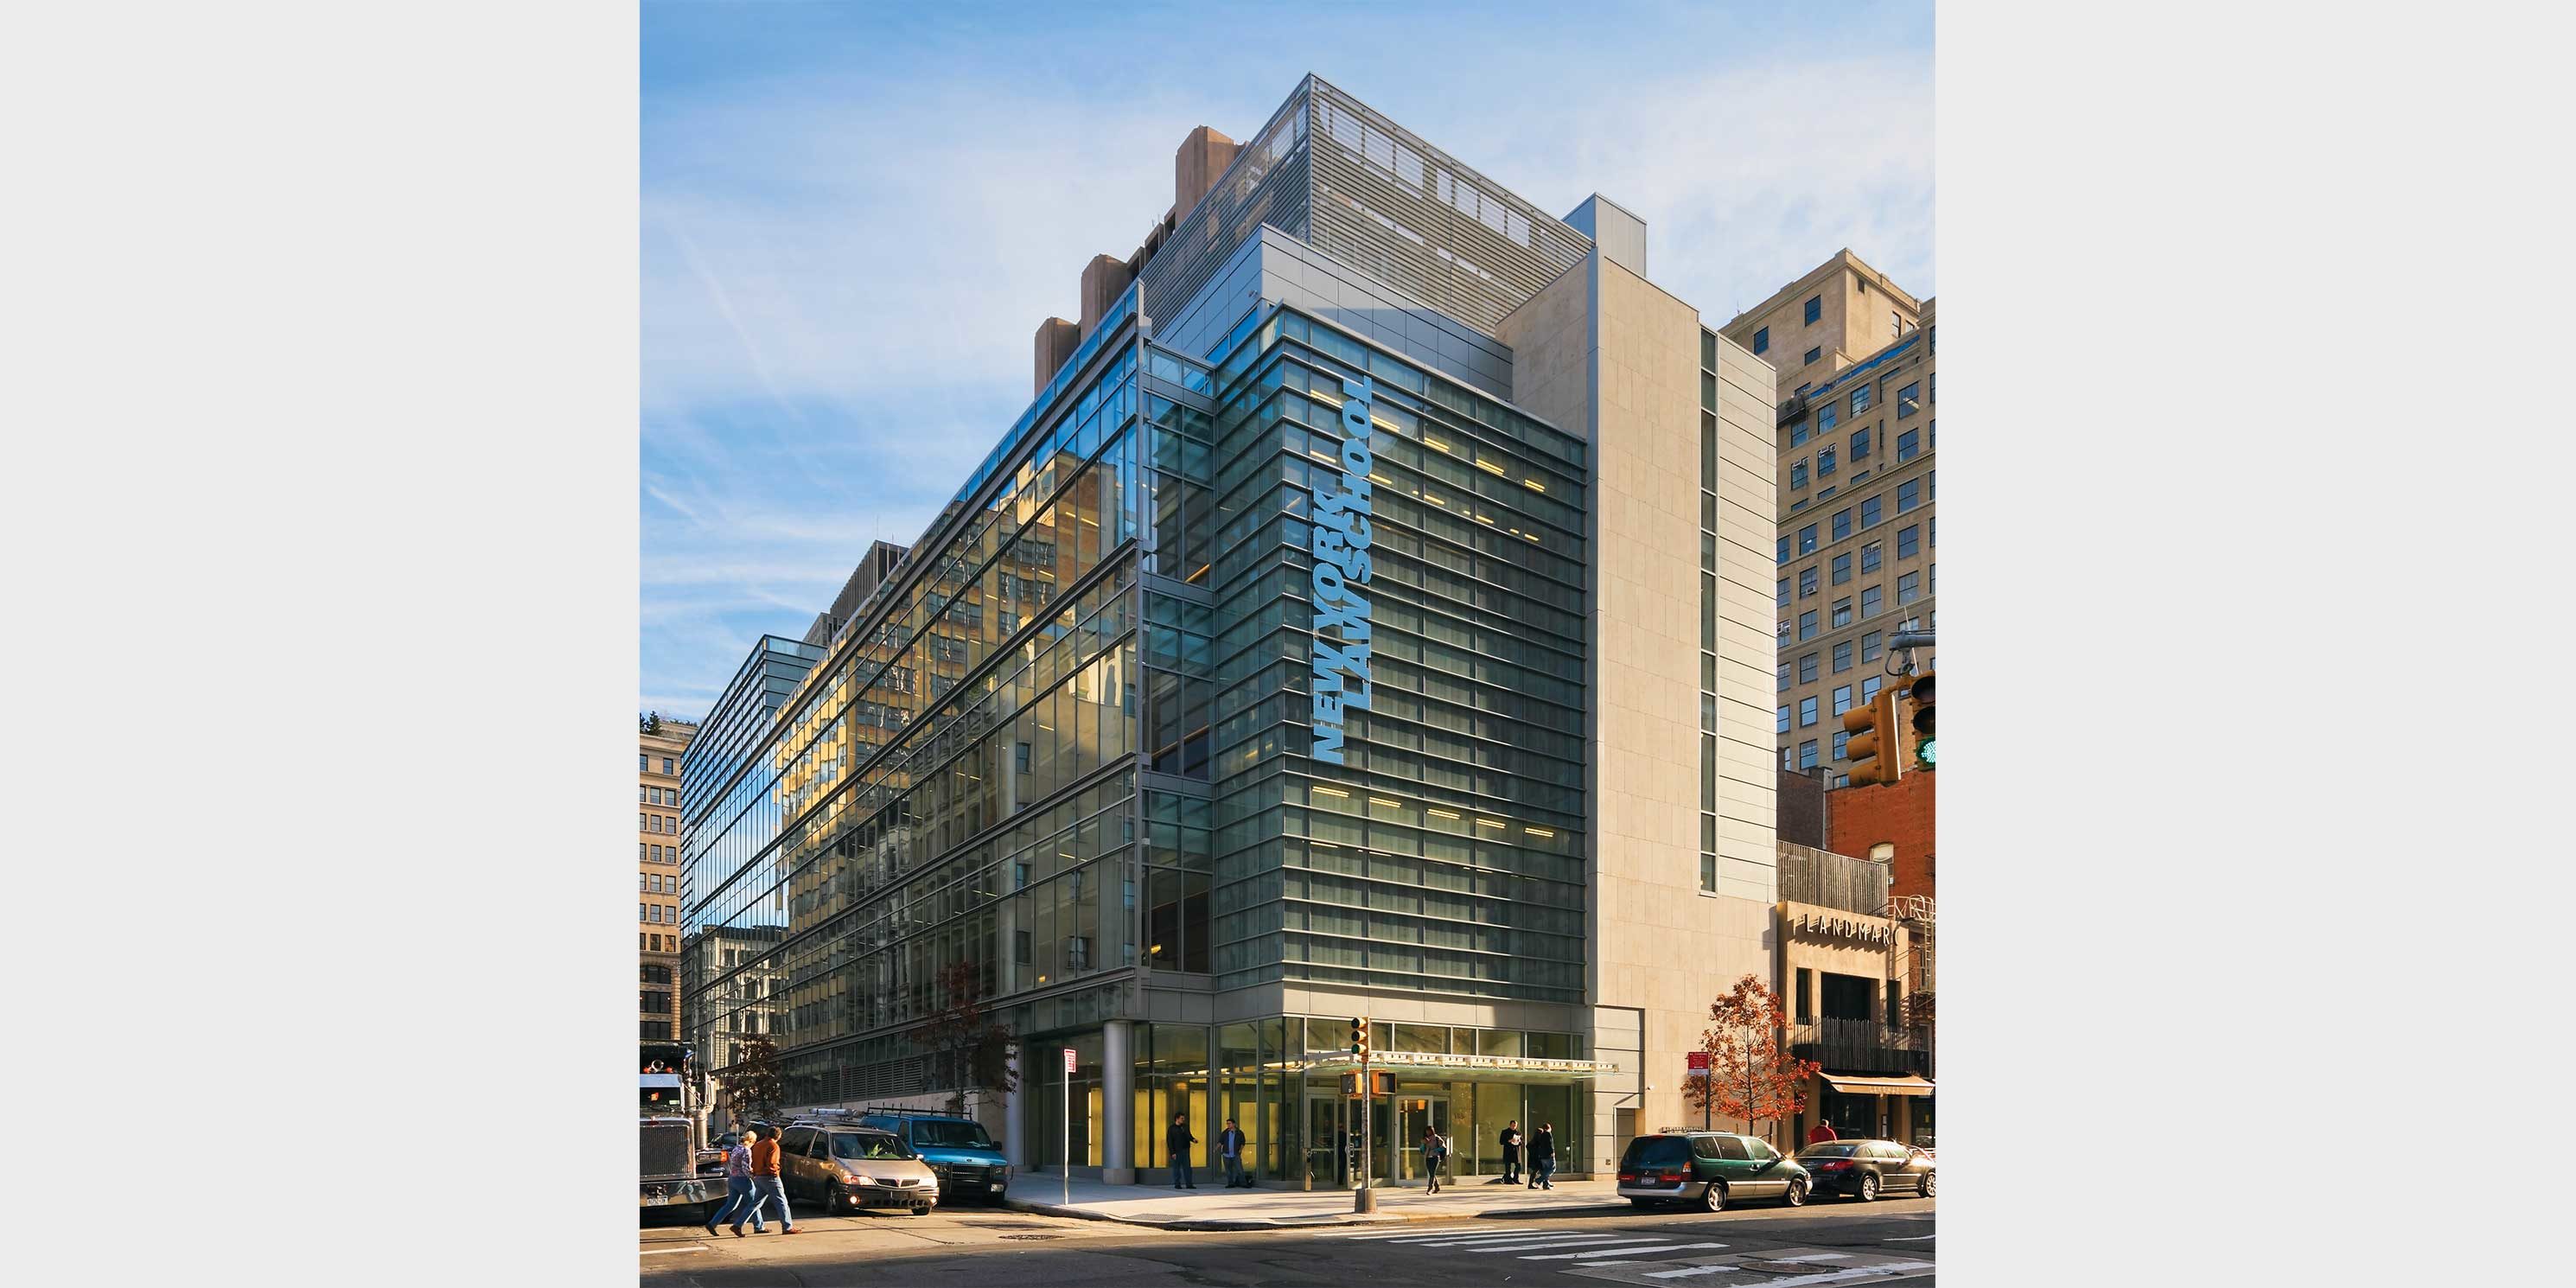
{"x": 969, "y": 1052}
{"x": 755, "y": 1086}
{"x": 1751, "y": 1074}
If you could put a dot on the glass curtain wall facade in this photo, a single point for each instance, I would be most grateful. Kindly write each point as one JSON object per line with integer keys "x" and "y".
{"x": 719, "y": 802}
{"x": 1447, "y": 852}
{"x": 954, "y": 781}
{"x": 1070, "y": 741}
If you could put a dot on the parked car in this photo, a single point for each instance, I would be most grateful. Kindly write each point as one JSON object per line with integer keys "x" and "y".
{"x": 1865, "y": 1169}
{"x": 847, "y": 1167}
{"x": 1711, "y": 1168}
{"x": 969, "y": 1164}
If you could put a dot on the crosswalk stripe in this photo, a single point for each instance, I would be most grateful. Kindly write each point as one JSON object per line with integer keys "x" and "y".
{"x": 1453, "y": 1238}
{"x": 1498, "y": 1240}
{"x": 1618, "y": 1252}
{"x": 1529, "y": 1245}
{"x": 1828, "y": 1277}
{"x": 1408, "y": 1236}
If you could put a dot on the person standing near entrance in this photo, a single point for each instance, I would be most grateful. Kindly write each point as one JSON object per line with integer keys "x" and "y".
{"x": 1435, "y": 1151}
{"x": 1511, "y": 1154}
{"x": 1542, "y": 1158}
{"x": 1177, "y": 1142}
{"x": 1229, "y": 1143}
{"x": 1823, "y": 1131}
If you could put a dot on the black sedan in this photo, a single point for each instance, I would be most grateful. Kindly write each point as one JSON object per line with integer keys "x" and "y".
{"x": 1865, "y": 1169}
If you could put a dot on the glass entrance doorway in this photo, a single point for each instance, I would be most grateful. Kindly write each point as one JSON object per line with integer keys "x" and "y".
{"x": 1414, "y": 1110}
{"x": 1331, "y": 1150}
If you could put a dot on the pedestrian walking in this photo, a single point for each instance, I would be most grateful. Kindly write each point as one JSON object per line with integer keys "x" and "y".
{"x": 1542, "y": 1157}
{"x": 1435, "y": 1151}
{"x": 1511, "y": 1154}
{"x": 1178, "y": 1141}
{"x": 1823, "y": 1131}
{"x": 766, "y": 1187}
{"x": 1230, "y": 1143}
{"x": 738, "y": 1199}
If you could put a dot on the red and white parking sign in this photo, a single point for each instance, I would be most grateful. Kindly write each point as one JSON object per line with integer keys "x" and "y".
{"x": 1698, "y": 1064}
{"x": 1068, "y": 1059}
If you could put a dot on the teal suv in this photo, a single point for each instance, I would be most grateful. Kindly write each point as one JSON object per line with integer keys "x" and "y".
{"x": 963, "y": 1154}
{"x": 1711, "y": 1169}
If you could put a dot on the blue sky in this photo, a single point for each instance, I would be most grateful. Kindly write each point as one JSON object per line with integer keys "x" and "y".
{"x": 854, "y": 215}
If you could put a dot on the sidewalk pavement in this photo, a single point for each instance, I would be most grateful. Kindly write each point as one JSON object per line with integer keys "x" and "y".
{"x": 1274, "y": 1206}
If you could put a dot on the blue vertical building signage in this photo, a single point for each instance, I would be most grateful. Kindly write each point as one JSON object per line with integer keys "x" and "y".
{"x": 1341, "y": 550}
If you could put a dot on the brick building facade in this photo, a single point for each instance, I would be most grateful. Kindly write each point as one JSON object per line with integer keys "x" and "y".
{"x": 1898, "y": 814}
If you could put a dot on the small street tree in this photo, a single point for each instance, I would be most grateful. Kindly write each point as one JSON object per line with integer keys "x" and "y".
{"x": 754, "y": 1086}
{"x": 968, "y": 1050}
{"x": 1751, "y": 1074}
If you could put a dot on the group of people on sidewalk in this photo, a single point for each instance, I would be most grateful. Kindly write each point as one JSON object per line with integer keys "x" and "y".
{"x": 1542, "y": 1156}
{"x": 752, "y": 1184}
{"x": 1177, "y": 1140}
{"x": 1229, "y": 1145}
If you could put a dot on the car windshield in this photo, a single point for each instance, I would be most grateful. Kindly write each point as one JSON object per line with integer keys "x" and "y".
{"x": 932, "y": 1134}
{"x": 1656, "y": 1151}
{"x": 854, "y": 1144}
{"x": 1828, "y": 1151}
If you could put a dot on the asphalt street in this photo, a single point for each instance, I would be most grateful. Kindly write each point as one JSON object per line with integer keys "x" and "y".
{"x": 1827, "y": 1242}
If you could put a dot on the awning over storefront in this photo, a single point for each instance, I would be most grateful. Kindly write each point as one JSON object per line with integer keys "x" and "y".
{"x": 1869, "y": 1085}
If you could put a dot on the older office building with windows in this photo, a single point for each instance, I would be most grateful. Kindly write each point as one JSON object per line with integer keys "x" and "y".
{"x": 1364, "y": 619}
{"x": 1854, "y": 557}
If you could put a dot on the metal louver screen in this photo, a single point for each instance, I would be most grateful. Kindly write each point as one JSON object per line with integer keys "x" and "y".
{"x": 1266, "y": 184}
{"x": 1394, "y": 206}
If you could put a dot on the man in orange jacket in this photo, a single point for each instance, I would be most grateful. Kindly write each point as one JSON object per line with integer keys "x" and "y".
{"x": 766, "y": 1187}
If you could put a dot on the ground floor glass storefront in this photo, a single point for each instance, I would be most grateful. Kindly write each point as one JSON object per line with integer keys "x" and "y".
{"x": 1867, "y": 1115}
{"x": 1298, "y": 1126}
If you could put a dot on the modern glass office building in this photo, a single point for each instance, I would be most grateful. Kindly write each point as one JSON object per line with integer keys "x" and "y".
{"x": 1364, "y": 620}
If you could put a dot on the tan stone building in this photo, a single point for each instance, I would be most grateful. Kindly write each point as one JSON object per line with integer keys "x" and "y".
{"x": 1854, "y": 557}
{"x": 1839, "y": 313}
{"x": 657, "y": 879}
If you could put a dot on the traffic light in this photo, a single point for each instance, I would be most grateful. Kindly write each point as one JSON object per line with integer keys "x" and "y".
{"x": 1920, "y": 694}
{"x": 1359, "y": 1039}
{"x": 1872, "y": 741}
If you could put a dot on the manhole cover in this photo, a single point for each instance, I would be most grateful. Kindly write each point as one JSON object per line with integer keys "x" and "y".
{"x": 1033, "y": 1236}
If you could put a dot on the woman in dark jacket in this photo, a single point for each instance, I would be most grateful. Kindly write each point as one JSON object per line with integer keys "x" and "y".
{"x": 1542, "y": 1157}
{"x": 1177, "y": 1142}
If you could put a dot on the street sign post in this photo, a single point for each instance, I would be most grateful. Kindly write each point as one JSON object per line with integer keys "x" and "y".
{"x": 1068, "y": 1125}
{"x": 1698, "y": 1072}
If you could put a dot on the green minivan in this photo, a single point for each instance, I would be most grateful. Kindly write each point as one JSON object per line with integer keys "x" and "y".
{"x": 1711, "y": 1168}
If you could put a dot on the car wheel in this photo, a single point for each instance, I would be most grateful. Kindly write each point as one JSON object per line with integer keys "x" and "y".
{"x": 1796, "y": 1196}
{"x": 1928, "y": 1184}
{"x": 1714, "y": 1197}
{"x": 1868, "y": 1190}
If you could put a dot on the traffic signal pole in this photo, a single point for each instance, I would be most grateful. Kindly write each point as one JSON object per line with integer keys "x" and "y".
{"x": 1365, "y": 1200}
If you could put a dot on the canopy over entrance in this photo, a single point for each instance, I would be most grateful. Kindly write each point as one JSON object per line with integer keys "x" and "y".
{"x": 1875, "y": 1085}
{"x": 1446, "y": 1067}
